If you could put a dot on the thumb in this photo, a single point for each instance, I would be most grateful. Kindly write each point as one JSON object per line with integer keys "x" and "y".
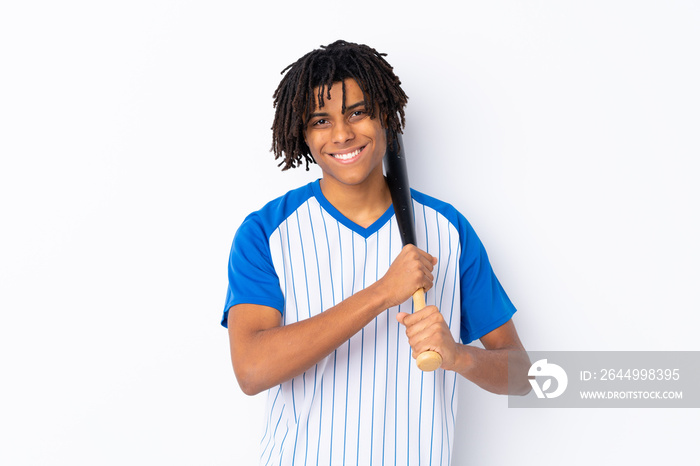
{"x": 401, "y": 316}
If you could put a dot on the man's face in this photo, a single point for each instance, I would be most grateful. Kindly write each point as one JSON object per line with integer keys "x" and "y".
{"x": 348, "y": 147}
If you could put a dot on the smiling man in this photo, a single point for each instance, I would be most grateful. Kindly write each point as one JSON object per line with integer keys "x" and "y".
{"x": 319, "y": 307}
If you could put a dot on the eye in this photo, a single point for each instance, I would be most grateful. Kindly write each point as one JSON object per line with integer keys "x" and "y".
{"x": 319, "y": 122}
{"x": 357, "y": 115}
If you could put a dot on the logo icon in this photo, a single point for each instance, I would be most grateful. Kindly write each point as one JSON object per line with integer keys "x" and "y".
{"x": 549, "y": 371}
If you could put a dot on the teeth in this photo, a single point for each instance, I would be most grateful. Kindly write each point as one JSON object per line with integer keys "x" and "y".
{"x": 348, "y": 155}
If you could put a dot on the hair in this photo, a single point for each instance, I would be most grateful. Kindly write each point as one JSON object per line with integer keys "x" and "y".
{"x": 308, "y": 83}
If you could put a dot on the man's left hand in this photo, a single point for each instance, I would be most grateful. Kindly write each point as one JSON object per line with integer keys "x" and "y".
{"x": 427, "y": 331}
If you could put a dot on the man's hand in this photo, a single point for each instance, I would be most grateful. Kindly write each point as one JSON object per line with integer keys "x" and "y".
{"x": 410, "y": 271}
{"x": 488, "y": 368}
{"x": 427, "y": 331}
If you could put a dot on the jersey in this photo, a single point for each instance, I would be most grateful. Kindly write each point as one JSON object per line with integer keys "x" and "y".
{"x": 367, "y": 402}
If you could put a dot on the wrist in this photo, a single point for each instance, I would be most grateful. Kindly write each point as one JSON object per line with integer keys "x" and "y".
{"x": 381, "y": 294}
{"x": 464, "y": 358}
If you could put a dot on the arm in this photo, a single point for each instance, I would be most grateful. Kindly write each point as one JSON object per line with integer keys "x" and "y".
{"x": 488, "y": 367}
{"x": 265, "y": 353}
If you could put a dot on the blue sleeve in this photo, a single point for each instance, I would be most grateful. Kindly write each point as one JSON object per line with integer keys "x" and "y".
{"x": 251, "y": 275}
{"x": 485, "y": 305}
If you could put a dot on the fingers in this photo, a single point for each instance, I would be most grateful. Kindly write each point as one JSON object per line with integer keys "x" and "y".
{"x": 426, "y": 259}
{"x": 427, "y": 278}
{"x": 413, "y": 251}
{"x": 421, "y": 263}
{"x": 421, "y": 320}
{"x": 401, "y": 316}
{"x": 427, "y": 331}
{"x": 410, "y": 271}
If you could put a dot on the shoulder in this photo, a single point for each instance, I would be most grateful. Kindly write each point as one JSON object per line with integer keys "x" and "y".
{"x": 271, "y": 215}
{"x": 442, "y": 208}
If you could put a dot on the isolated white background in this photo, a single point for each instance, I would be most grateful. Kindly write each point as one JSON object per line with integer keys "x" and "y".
{"x": 134, "y": 138}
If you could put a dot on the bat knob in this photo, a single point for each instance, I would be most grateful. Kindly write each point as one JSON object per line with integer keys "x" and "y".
{"x": 428, "y": 361}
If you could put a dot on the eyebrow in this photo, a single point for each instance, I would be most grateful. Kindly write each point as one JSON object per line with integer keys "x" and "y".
{"x": 325, "y": 114}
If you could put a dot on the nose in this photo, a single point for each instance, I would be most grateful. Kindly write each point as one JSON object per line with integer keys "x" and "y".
{"x": 342, "y": 132}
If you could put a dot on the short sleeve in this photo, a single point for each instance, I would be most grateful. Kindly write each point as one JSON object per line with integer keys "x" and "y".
{"x": 251, "y": 275}
{"x": 485, "y": 304}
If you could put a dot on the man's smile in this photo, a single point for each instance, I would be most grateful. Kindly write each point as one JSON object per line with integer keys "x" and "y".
{"x": 347, "y": 156}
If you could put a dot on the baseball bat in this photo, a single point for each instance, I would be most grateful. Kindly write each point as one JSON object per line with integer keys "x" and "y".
{"x": 397, "y": 178}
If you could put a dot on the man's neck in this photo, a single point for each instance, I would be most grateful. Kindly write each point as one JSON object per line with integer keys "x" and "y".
{"x": 362, "y": 204}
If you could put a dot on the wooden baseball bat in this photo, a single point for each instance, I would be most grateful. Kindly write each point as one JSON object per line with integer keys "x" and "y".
{"x": 397, "y": 178}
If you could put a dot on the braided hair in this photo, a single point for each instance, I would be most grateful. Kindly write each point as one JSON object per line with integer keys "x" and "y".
{"x": 308, "y": 83}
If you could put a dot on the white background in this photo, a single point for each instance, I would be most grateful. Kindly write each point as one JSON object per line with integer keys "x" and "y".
{"x": 135, "y": 137}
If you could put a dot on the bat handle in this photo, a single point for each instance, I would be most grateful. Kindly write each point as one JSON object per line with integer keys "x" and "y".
{"x": 427, "y": 361}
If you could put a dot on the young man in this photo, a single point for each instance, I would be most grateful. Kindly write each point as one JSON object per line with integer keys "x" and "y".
{"x": 319, "y": 306}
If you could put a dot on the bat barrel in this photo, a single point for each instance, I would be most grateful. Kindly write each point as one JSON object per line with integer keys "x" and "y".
{"x": 397, "y": 178}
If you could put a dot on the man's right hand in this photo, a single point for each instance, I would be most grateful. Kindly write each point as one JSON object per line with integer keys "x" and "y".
{"x": 411, "y": 270}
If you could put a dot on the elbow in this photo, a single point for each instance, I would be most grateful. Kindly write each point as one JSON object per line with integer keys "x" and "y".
{"x": 521, "y": 386}
{"x": 521, "y": 389}
{"x": 250, "y": 386}
{"x": 249, "y": 380}
{"x": 250, "y": 374}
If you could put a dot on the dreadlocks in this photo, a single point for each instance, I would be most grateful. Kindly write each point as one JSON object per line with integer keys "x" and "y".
{"x": 308, "y": 83}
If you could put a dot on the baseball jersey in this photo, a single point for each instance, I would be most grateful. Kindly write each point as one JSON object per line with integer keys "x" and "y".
{"x": 367, "y": 402}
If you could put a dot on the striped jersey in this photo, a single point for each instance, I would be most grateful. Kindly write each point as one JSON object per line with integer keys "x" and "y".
{"x": 367, "y": 402}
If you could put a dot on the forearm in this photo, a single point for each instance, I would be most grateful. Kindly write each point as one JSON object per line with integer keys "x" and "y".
{"x": 489, "y": 369}
{"x": 270, "y": 356}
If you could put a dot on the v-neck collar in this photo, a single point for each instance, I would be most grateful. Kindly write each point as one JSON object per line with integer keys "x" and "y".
{"x": 336, "y": 214}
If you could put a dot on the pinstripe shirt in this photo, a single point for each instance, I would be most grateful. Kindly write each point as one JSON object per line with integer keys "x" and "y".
{"x": 365, "y": 403}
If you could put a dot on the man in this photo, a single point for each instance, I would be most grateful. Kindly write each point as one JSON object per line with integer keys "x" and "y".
{"x": 319, "y": 305}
